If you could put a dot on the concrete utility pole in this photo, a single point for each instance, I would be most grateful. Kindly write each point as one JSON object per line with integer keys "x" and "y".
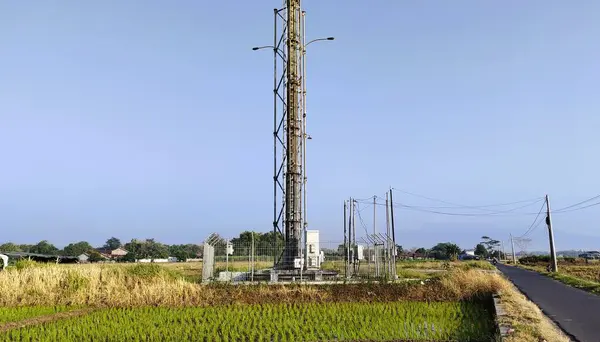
{"x": 553, "y": 263}
{"x": 346, "y": 250}
{"x": 395, "y": 250}
{"x": 512, "y": 243}
{"x": 374, "y": 234}
{"x": 387, "y": 229}
{"x": 354, "y": 248}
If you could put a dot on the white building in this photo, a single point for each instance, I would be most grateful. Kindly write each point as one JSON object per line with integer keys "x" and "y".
{"x": 313, "y": 251}
{"x": 360, "y": 252}
{"x": 83, "y": 258}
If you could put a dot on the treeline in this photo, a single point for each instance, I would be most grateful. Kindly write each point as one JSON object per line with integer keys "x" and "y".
{"x": 136, "y": 249}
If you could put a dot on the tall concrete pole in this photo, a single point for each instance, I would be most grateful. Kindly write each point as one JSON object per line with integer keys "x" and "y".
{"x": 553, "y": 263}
{"x": 387, "y": 235}
{"x": 512, "y": 244}
{"x": 293, "y": 215}
{"x": 345, "y": 243}
{"x": 304, "y": 136}
{"x": 374, "y": 234}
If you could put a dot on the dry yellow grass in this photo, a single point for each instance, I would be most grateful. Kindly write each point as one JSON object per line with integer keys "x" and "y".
{"x": 528, "y": 321}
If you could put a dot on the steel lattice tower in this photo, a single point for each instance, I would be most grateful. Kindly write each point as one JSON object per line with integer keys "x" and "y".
{"x": 288, "y": 131}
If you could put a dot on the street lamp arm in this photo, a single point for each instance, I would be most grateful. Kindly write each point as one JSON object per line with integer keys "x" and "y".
{"x": 279, "y": 52}
{"x": 319, "y": 39}
{"x": 263, "y": 47}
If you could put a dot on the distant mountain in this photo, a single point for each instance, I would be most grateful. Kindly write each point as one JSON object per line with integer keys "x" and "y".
{"x": 569, "y": 253}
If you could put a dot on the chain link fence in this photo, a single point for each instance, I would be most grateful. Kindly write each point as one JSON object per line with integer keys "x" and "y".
{"x": 234, "y": 260}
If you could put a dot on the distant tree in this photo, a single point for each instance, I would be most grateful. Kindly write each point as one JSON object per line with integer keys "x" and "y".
{"x": 10, "y": 247}
{"x": 452, "y": 251}
{"x": 421, "y": 250}
{"x": 78, "y": 248}
{"x": 445, "y": 251}
{"x": 399, "y": 250}
{"x": 44, "y": 247}
{"x": 179, "y": 252}
{"x": 193, "y": 251}
{"x": 112, "y": 243}
{"x": 148, "y": 249}
{"x": 490, "y": 243}
{"x": 25, "y": 247}
{"x": 481, "y": 250}
{"x": 156, "y": 250}
{"x": 95, "y": 256}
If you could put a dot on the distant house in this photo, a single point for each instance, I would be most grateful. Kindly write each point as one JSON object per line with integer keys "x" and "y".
{"x": 112, "y": 254}
{"x": 413, "y": 255}
{"x": 468, "y": 255}
{"x": 590, "y": 255}
{"x": 83, "y": 258}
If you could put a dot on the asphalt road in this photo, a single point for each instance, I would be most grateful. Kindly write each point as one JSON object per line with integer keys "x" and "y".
{"x": 577, "y": 312}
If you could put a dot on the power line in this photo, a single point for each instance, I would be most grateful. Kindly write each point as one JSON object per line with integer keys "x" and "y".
{"x": 534, "y": 221}
{"x": 489, "y": 212}
{"x": 508, "y": 212}
{"x": 362, "y": 223}
{"x": 575, "y": 209}
{"x": 576, "y": 204}
{"x": 455, "y": 205}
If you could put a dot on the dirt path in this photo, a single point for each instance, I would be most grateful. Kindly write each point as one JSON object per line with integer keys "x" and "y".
{"x": 44, "y": 319}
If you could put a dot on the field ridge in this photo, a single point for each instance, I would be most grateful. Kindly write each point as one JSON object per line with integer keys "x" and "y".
{"x": 44, "y": 319}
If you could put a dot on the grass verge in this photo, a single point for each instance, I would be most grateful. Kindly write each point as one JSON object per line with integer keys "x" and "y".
{"x": 568, "y": 279}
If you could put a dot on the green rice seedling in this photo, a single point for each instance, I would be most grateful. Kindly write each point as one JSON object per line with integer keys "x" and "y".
{"x": 418, "y": 321}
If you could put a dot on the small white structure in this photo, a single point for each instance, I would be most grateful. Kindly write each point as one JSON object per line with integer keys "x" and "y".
{"x": 4, "y": 259}
{"x": 313, "y": 250}
{"x": 360, "y": 252}
{"x": 470, "y": 252}
{"x": 83, "y": 258}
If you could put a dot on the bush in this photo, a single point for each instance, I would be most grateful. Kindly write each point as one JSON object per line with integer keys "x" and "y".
{"x": 534, "y": 259}
{"x": 26, "y": 263}
{"x": 150, "y": 271}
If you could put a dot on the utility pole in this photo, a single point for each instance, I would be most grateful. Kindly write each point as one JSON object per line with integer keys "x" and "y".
{"x": 387, "y": 227}
{"x": 350, "y": 249}
{"x": 512, "y": 243}
{"x": 354, "y": 248}
{"x": 553, "y": 262}
{"x": 395, "y": 250}
{"x": 346, "y": 250}
{"x": 374, "y": 233}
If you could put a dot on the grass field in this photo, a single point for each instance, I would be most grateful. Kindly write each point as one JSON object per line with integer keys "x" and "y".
{"x": 155, "y": 302}
{"x": 21, "y": 313}
{"x": 456, "y": 321}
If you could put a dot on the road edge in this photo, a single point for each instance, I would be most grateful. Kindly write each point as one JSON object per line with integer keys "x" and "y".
{"x": 544, "y": 313}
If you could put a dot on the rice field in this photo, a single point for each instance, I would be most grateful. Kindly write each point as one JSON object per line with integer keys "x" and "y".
{"x": 415, "y": 321}
{"x": 17, "y": 314}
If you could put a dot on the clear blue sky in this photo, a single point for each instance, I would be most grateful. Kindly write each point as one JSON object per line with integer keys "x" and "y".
{"x": 153, "y": 118}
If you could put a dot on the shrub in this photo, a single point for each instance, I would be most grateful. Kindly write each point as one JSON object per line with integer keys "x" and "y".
{"x": 26, "y": 263}
{"x": 534, "y": 259}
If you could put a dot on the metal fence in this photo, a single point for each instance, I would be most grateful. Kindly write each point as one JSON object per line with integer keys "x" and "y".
{"x": 234, "y": 260}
